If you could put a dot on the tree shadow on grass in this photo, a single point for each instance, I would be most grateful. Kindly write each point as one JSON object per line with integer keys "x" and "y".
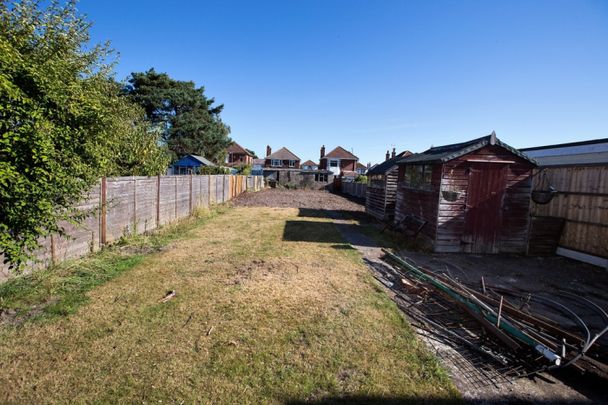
{"x": 334, "y": 214}
{"x": 319, "y": 232}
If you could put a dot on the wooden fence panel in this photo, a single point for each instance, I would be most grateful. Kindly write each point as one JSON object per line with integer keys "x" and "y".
{"x": 120, "y": 195}
{"x": 146, "y": 194}
{"x": 167, "y": 199}
{"x": 124, "y": 205}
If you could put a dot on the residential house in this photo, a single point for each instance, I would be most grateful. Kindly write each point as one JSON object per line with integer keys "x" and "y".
{"x": 310, "y": 165}
{"x": 190, "y": 164}
{"x": 281, "y": 159}
{"x": 467, "y": 197}
{"x": 381, "y": 192}
{"x": 361, "y": 169}
{"x": 257, "y": 167}
{"x": 339, "y": 161}
{"x": 238, "y": 156}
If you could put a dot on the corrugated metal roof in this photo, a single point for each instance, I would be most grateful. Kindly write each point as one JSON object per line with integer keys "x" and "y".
{"x": 202, "y": 160}
{"x": 441, "y": 154}
{"x": 574, "y": 153}
{"x": 576, "y": 159}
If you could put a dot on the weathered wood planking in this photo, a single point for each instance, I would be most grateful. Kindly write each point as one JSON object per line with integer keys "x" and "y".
{"x": 381, "y": 196}
{"x": 137, "y": 204}
{"x": 443, "y": 204}
{"x": 582, "y": 201}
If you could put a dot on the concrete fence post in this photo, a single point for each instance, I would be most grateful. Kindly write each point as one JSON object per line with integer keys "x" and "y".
{"x": 104, "y": 212}
{"x": 190, "y": 197}
{"x": 134, "y": 205}
{"x": 158, "y": 201}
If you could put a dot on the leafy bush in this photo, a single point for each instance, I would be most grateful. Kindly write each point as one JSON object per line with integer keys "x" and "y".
{"x": 63, "y": 123}
{"x": 244, "y": 170}
{"x": 214, "y": 170}
{"x": 361, "y": 179}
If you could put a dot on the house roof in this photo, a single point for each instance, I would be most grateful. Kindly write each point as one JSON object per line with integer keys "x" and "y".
{"x": 204, "y": 161}
{"x": 340, "y": 153}
{"x": 387, "y": 165}
{"x": 445, "y": 153}
{"x": 310, "y": 163}
{"x": 236, "y": 148}
{"x": 283, "y": 154}
{"x": 361, "y": 166}
{"x": 574, "y": 153}
{"x": 258, "y": 162}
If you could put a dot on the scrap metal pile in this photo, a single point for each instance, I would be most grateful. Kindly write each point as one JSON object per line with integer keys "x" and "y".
{"x": 518, "y": 333}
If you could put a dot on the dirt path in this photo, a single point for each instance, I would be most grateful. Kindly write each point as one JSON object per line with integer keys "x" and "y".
{"x": 347, "y": 217}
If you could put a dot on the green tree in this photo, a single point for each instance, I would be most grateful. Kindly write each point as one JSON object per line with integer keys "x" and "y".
{"x": 189, "y": 122}
{"x": 63, "y": 123}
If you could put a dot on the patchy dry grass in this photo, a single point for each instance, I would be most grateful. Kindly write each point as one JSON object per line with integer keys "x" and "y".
{"x": 260, "y": 316}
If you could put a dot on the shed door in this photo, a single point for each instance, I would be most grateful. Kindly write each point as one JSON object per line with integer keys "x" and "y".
{"x": 483, "y": 217}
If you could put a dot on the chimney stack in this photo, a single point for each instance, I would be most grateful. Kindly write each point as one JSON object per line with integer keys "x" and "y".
{"x": 393, "y": 154}
{"x": 268, "y": 150}
{"x": 322, "y": 151}
{"x": 388, "y": 155}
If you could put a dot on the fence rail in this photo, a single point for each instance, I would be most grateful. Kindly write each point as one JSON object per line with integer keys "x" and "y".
{"x": 121, "y": 206}
{"x": 354, "y": 189}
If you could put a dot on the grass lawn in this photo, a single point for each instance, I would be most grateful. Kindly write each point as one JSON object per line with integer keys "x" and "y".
{"x": 265, "y": 312}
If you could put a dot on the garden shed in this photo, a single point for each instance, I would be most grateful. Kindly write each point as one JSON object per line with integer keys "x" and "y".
{"x": 381, "y": 191}
{"x": 190, "y": 164}
{"x": 467, "y": 197}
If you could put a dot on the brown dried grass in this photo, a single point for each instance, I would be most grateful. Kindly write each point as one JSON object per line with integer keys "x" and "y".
{"x": 256, "y": 319}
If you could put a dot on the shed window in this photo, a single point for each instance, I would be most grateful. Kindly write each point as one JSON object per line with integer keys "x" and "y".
{"x": 276, "y": 163}
{"x": 418, "y": 176}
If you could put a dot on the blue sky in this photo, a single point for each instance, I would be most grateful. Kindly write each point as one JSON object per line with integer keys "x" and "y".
{"x": 370, "y": 75}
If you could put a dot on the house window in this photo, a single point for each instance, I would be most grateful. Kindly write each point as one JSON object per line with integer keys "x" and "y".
{"x": 333, "y": 163}
{"x": 276, "y": 163}
{"x": 292, "y": 163}
{"x": 418, "y": 176}
{"x": 322, "y": 177}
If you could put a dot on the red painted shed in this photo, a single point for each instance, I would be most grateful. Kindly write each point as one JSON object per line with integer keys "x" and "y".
{"x": 468, "y": 197}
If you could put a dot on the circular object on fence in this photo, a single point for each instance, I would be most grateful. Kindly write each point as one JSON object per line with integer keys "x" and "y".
{"x": 542, "y": 196}
{"x": 450, "y": 196}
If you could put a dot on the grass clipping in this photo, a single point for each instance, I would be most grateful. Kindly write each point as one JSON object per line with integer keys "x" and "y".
{"x": 257, "y": 317}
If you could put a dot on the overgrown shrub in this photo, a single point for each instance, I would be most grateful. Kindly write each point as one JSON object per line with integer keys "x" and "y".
{"x": 214, "y": 170}
{"x": 63, "y": 123}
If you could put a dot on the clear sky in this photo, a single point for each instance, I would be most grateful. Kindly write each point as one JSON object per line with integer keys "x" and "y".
{"x": 369, "y": 75}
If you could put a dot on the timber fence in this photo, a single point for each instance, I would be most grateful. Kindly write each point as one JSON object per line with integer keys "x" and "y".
{"x": 122, "y": 206}
{"x": 354, "y": 189}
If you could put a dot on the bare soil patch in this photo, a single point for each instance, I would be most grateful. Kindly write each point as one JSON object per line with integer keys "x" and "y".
{"x": 311, "y": 199}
